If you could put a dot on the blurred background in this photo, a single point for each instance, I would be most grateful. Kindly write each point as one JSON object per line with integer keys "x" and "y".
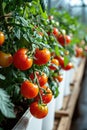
{"x": 78, "y": 9}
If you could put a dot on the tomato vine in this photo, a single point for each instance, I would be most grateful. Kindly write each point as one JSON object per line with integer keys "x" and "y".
{"x": 32, "y": 42}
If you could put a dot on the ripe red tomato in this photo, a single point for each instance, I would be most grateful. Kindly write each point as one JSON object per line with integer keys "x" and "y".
{"x": 6, "y": 59}
{"x": 46, "y": 94}
{"x": 29, "y": 90}
{"x": 61, "y": 63}
{"x": 54, "y": 64}
{"x": 2, "y": 38}
{"x": 38, "y": 110}
{"x": 59, "y": 77}
{"x": 21, "y": 59}
{"x": 79, "y": 51}
{"x": 55, "y": 32}
{"x": 41, "y": 56}
{"x": 64, "y": 39}
{"x": 60, "y": 59}
{"x": 41, "y": 78}
{"x": 68, "y": 66}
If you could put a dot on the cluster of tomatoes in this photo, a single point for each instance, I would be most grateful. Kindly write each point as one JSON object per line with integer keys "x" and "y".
{"x": 81, "y": 49}
{"x": 32, "y": 45}
{"x": 37, "y": 86}
{"x": 29, "y": 90}
{"x": 63, "y": 39}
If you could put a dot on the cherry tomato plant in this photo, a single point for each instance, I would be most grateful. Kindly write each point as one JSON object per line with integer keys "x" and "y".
{"x": 31, "y": 54}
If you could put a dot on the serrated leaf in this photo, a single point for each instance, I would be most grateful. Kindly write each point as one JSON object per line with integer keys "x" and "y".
{"x": 6, "y": 107}
{"x": 2, "y": 77}
{"x": 17, "y": 34}
{"x": 23, "y": 21}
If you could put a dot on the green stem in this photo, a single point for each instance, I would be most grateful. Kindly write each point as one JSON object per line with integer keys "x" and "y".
{"x": 41, "y": 101}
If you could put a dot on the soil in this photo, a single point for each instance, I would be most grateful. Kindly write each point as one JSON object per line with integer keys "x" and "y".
{"x": 9, "y": 123}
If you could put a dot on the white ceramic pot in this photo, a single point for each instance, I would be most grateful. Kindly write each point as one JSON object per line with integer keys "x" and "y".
{"x": 28, "y": 122}
{"x": 76, "y": 62}
{"x": 69, "y": 75}
{"x": 34, "y": 124}
{"x": 48, "y": 121}
{"x": 59, "y": 99}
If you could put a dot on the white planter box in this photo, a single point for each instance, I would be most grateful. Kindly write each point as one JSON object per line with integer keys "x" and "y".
{"x": 59, "y": 99}
{"x": 67, "y": 82}
{"x": 76, "y": 61}
{"x": 48, "y": 121}
{"x": 69, "y": 75}
{"x": 28, "y": 122}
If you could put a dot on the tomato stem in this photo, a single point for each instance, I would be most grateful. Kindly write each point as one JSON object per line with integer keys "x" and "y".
{"x": 41, "y": 101}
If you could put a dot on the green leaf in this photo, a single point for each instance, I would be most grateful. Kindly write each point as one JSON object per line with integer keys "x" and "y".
{"x": 1, "y": 128}
{"x": 66, "y": 60}
{"x": 2, "y": 77}
{"x": 42, "y": 4}
{"x": 54, "y": 87}
{"x": 17, "y": 34}
{"x": 23, "y": 21}
{"x": 57, "y": 50}
{"x": 6, "y": 107}
{"x": 46, "y": 70}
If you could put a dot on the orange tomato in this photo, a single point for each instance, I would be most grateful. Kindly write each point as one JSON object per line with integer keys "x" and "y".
{"x": 6, "y": 59}
{"x": 79, "y": 51}
{"x": 29, "y": 90}
{"x": 64, "y": 39}
{"x": 46, "y": 95}
{"x": 59, "y": 77}
{"x": 38, "y": 110}
{"x": 21, "y": 60}
{"x": 42, "y": 56}
{"x": 55, "y": 32}
{"x": 2, "y": 38}
{"x": 54, "y": 64}
{"x": 41, "y": 78}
